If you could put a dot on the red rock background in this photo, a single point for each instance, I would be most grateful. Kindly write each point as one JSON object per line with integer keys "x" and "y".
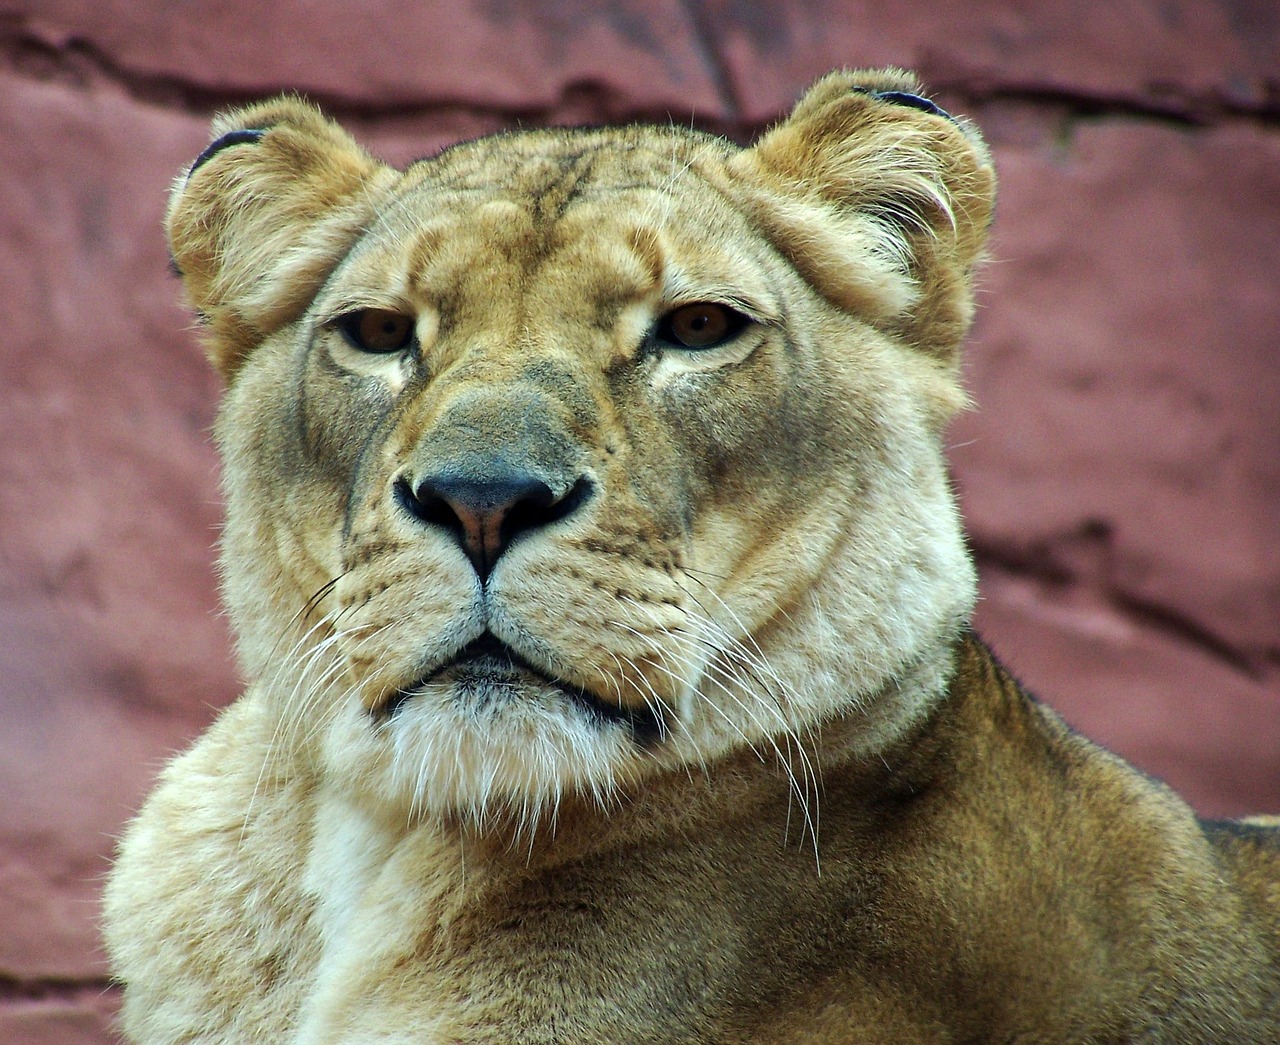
{"x": 1121, "y": 479}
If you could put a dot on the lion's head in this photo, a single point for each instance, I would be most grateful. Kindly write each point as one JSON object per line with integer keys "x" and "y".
{"x": 567, "y": 457}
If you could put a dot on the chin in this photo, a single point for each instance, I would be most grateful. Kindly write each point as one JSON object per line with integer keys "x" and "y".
{"x": 487, "y": 737}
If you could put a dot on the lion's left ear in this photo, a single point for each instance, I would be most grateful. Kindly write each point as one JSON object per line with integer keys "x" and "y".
{"x": 263, "y": 215}
{"x": 882, "y": 201}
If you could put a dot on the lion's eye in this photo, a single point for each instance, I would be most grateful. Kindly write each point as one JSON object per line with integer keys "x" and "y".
{"x": 702, "y": 325}
{"x": 377, "y": 330}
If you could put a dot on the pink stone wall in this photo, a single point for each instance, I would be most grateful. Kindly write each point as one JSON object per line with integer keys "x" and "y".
{"x": 1121, "y": 477}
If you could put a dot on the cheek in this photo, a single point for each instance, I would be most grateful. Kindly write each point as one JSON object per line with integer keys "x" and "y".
{"x": 747, "y": 429}
{"x": 339, "y": 413}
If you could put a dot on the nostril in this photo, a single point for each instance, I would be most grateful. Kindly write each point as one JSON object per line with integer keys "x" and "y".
{"x": 543, "y": 508}
{"x": 486, "y": 515}
{"x": 425, "y": 506}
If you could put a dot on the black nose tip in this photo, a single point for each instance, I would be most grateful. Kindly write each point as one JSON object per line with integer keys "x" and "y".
{"x": 487, "y": 513}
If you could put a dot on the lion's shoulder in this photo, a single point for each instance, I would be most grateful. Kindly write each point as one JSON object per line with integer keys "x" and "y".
{"x": 194, "y": 868}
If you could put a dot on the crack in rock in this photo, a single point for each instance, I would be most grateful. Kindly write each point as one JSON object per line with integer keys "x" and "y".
{"x": 17, "y": 989}
{"x": 38, "y": 52}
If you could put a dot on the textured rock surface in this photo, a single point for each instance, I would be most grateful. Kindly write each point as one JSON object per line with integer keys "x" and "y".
{"x": 1121, "y": 478}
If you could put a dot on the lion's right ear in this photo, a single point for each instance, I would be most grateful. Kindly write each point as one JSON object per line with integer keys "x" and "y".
{"x": 263, "y": 215}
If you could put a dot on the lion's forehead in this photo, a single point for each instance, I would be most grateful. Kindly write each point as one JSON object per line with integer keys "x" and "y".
{"x": 573, "y": 233}
{"x": 556, "y": 167}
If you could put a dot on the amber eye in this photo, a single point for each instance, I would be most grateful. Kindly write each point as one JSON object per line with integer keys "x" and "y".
{"x": 703, "y": 325}
{"x": 377, "y": 330}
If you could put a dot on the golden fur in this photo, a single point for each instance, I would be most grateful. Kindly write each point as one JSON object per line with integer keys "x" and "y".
{"x": 604, "y": 606}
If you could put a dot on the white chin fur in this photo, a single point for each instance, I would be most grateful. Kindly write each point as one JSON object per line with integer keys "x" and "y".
{"x": 437, "y": 758}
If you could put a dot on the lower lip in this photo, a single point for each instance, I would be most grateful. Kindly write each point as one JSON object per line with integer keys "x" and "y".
{"x": 489, "y": 676}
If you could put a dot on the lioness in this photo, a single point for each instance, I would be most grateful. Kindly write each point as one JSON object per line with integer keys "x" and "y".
{"x": 605, "y": 608}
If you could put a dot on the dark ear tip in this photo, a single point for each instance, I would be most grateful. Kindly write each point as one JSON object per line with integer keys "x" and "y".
{"x": 911, "y": 101}
{"x": 227, "y": 140}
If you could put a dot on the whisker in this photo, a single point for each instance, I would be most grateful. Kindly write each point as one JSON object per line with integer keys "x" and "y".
{"x": 729, "y": 664}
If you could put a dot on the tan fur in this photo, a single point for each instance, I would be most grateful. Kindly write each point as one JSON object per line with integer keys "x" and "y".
{"x": 846, "y": 824}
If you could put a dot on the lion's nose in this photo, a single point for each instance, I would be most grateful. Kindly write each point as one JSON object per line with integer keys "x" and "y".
{"x": 487, "y": 513}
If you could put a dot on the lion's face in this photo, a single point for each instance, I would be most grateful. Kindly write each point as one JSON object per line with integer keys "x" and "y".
{"x": 568, "y": 457}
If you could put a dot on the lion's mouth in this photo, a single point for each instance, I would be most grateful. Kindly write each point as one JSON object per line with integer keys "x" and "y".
{"x": 487, "y": 670}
